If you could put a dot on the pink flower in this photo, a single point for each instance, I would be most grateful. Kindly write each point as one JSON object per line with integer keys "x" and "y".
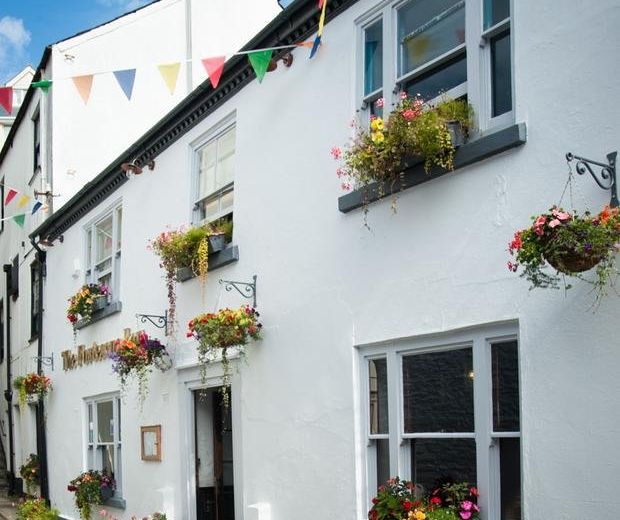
{"x": 346, "y": 186}
{"x": 336, "y": 152}
{"x": 560, "y": 215}
{"x": 466, "y": 505}
{"x": 380, "y": 102}
{"x": 512, "y": 267}
{"x": 409, "y": 114}
{"x": 339, "y": 172}
{"x": 476, "y": 508}
{"x": 473, "y": 491}
{"x": 403, "y": 95}
{"x": 555, "y": 222}
{"x": 465, "y": 515}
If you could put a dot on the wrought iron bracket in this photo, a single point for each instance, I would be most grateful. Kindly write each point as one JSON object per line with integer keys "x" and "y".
{"x": 161, "y": 322}
{"x": 245, "y": 289}
{"x": 46, "y": 360}
{"x": 605, "y": 178}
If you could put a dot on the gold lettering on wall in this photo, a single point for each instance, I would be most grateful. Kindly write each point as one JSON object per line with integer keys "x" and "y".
{"x": 93, "y": 354}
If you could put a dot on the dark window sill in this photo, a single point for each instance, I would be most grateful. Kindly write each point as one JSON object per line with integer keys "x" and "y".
{"x": 474, "y": 151}
{"x": 224, "y": 257}
{"x": 115, "y": 502}
{"x": 109, "y": 309}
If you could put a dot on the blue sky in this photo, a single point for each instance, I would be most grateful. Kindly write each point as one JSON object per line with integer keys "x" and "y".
{"x": 27, "y": 26}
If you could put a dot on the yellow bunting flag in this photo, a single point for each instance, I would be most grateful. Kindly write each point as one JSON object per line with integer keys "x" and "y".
{"x": 170, "y": 73}
{"x": 23, "y": 200}
{"x": 83, "y": 85}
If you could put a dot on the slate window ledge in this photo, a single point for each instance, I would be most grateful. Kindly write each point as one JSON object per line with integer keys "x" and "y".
{"x": 474, "y": 151}
{"x": 108, "y": 310}
{"x": 224, "y": 257}
{"x": 115, "y": 502}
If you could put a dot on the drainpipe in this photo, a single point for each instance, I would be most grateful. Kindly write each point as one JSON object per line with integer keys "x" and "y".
{"x": 40, "y": 418}
{"x": 8, "y": 393}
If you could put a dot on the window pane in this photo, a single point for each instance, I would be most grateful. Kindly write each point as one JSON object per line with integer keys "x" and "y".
{"x": 505, "y": 371}
{"x": 103, "y": 232}
{"x": 373, "y": 57}
{"x": 436, "y": 461}
{"x": 90, "y": 458}
{"x": 119, "y": 227}
{"x": 510, "y": 475}
{"x": 375, "y": 110}
{"x": 89, "y": 251}
{"x": 377, "y": 376}
{"x": 226, "y": 155}
{"x": 427, "y": 29}
{"x": 105, "y": 456}
{"x": 206, "y": 172}
{"x": 91, "y": 435}
{"x": 441, "y": 79}
{"x": 495, "y": 11}
{"x": 501, "y": 74}
{"x": 118, "y": 415}
{"x": 105, "y": 422}
{"x": 211, "y": 208}
{"x": 438, "y": 392}
{"x": 383, "y": 461}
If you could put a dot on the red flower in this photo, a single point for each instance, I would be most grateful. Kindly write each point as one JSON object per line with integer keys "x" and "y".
{"x": 71, "y": 488}
{"x": 436, "y": 501}
{"x": 407, "y": 505}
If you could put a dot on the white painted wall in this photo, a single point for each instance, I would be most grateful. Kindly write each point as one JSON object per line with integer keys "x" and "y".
{"x": 326, "y": 284}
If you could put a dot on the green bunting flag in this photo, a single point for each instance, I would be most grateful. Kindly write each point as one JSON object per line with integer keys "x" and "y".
{"x": 20, "y": 219}
{"x": 44, "y": 84}
{"x": 260, "y": 61}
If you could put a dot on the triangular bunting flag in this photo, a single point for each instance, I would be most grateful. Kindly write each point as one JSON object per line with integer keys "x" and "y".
{"x": 36, "y": 206}
{"x": 315, "y": 46}
{"x": 44, "y": 84}
{"x": 125, "y": 80}
{"x": 10, "y": 196}
{"x": 170, "y": 73}
{"x": 260, "y": 61}
{"x": 308, "y": 44}
{"x": 23, "y": 200}
{"x": 83, "y": 85}
{"x": 6, "y": 98}
{"x": 214, "y": 68}
{"x": 321, "y": 3}
{"x": 19, "y": 219}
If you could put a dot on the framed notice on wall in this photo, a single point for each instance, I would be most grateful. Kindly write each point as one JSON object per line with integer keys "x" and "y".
{"x": 151, "y": 442}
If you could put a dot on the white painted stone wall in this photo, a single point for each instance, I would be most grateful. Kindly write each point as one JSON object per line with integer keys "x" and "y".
{"x": 326, "y": 284}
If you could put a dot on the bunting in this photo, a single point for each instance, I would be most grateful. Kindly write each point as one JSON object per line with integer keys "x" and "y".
{"x": 44, "y": 84}
{"x": 126, "y": 80}
{"x": 317, "y": 40}
{"x": 6, "y": 98}
{"x": 23, "y": 200}
{"x": 170, "y": 74}
{"x": 260, "y": 61}
{"x": 20, "y": 219}
{"x": 214, "y": 68}
{"x": 10, "y": 196}
{"x": 83, "y": 85}
{"x": 36, "y": 207}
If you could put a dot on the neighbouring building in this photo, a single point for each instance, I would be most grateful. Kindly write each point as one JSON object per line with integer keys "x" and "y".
{"x": 95, "y": 92}
{"x": 20, "y": 84}
{"x": 404, "y": 349}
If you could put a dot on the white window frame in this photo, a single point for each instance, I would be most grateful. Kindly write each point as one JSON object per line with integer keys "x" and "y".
{"x": 90, "y": 249}
{"x": 478, "y": 86}
{"x": 117, "y": 442}
{"x": 225, "y": 125}
{"x": 480, "y": 340}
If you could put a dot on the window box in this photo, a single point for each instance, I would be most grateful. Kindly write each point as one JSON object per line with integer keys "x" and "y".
{"x": 469, "y": 153}
{"x": 107, "y": 309}
{"x": 223, "y": 257}
{"x": 106, "y": 493}
{"x": 217, "y": 242}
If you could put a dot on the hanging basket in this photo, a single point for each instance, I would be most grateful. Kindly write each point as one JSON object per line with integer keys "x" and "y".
{"x": 568, "y": 260}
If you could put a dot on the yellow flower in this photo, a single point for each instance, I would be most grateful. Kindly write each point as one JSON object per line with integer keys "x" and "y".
{"x": 377, "y": 137}
{"x": 377, "y": 124}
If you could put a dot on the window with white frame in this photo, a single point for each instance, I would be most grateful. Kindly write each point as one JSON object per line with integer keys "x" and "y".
{"x": 447, "y": 409}
{"x": 103, "y": 437}
{"x": 103, "y": 250}
{"x": 215, "y": 175}
{"x": 461, "y": 48}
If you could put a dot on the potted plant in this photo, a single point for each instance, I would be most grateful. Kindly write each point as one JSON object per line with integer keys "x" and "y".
{"x": 31, "y": 387}
{"x": 400, "y": 499}
{"x": 184, "y": 253}
{"x": 137, "y": 355}
{"x": 83, "y": 304}
{"x": 29, "y": 471}
{"x": 36, "y": 509}
{"x": 571, "y": 244}
{"x": 91, "y": 488}
{"x": 219, "y": 331}
{"x": 414, "y": 131}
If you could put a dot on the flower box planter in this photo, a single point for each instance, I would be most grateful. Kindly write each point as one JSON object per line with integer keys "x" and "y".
{"x": 33, "y": 399}
{"x": 184, "y": 274}
{"x": 100, "y": 303}
{"x": 457, "y": 133}
{"x": 217, "y": 242}
{"x": 106, "y": 493}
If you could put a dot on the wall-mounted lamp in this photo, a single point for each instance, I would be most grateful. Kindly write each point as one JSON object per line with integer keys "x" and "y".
{"x": 287, "y": 61}
{"x": 135, "y": 168}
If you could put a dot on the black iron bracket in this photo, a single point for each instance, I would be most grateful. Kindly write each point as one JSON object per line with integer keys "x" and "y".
{"x": 245, "y": 289}
{"x": 161, "y": 322}
{"x": 605, "y": 178}
{"x": 46, "y": 360}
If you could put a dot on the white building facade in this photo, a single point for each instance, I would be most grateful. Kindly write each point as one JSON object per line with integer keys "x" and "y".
{"x": 518, "y": 388}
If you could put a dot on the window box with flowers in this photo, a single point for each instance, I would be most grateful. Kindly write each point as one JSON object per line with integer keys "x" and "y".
{"x": 91, "y": 488}
{"x": 91, "y": 303}
{"x": 29, "y": 472}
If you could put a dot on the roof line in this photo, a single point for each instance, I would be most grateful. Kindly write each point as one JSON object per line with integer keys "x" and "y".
{"x": 295, "y": 23}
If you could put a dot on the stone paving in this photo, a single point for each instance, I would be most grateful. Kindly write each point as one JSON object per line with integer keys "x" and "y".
{"x": 7, "y": 510}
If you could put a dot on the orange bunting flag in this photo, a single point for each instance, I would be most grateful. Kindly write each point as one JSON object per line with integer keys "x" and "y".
{"x": 83, "y": 85}
{"x": 214, "y": 68}
{"x": 170, "y": 74}
{"x": 23, "y": 200}
{"x": 307, "y": 44}
{"x": 10, "y": 196}
{"x": 6, "y": 99}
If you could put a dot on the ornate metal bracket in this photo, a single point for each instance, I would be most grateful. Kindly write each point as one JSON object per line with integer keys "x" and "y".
{"x": 606, "y": 178}
{"x": 245, "y": 289}
{"x": 161, "y": 322}
{"x": 46, "y": 360}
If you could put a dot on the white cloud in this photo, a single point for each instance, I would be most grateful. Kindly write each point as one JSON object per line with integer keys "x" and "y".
{"x": 14, "y": 38}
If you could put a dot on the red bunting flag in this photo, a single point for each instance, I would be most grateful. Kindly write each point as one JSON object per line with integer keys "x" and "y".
{"x": 321, "y": 3}
{"x": 214, "y": 68}
{"x": 6, "y": 98}
{"x": 10, "y": 196}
